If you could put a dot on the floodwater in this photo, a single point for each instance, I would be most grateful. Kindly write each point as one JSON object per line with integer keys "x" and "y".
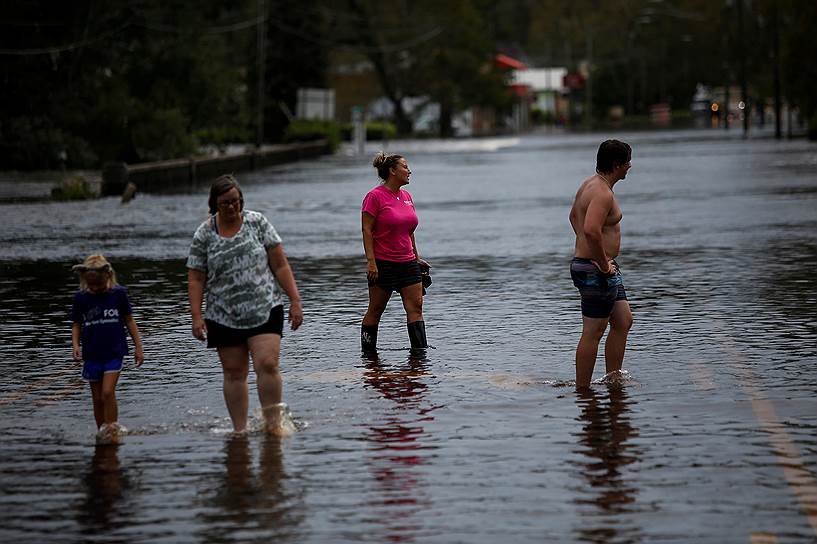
{"x": 708, "y": 437}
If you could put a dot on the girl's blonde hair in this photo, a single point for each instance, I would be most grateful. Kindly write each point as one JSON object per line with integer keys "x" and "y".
{"x": 95, "y": 264}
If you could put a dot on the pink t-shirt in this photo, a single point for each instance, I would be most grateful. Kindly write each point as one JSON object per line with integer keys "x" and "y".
{"x": 394, "y": 222}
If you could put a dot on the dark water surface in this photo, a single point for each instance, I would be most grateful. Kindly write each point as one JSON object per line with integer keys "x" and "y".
{"x": 710, "y": 438}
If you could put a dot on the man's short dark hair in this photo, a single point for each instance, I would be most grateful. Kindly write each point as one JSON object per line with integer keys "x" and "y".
{"x": 612, "y": 153}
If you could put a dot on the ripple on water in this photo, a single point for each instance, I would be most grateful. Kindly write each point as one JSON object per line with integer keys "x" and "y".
{"x": 485, "y": 437}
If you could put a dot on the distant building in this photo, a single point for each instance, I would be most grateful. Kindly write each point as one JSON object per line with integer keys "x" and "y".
{"x": 354, "y": 84}
{"x": 315, "y": 104}
{"x": 547, "y": 87}
{"x": 520, "y": 113}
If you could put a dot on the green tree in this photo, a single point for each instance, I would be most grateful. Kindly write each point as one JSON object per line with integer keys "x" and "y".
{"x": 296, "y": 56}
{"x": 119, "y": 80}
{"x": 442, "y": 50}
{"x": 455, "y": 68}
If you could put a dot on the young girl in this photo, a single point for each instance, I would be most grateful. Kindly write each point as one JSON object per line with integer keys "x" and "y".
{"x": 100, "y": 314}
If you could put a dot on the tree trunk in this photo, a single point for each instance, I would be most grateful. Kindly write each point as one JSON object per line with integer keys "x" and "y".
{"x": 368, "y": 38}
{"x": 446, "y": 116}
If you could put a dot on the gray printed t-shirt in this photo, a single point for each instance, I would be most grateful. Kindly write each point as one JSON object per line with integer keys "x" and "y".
{"x": 241, "y": 288}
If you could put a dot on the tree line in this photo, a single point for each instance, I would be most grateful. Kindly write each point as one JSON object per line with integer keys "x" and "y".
{"x": 90, "y": 81}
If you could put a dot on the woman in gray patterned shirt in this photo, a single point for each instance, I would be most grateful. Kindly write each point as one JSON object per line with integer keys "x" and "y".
{"x": 236, "y": 257}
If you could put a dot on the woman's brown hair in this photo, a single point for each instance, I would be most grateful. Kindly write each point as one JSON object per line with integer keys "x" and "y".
{"x": 384, "y": 163}
{"x": 221, "y": 185}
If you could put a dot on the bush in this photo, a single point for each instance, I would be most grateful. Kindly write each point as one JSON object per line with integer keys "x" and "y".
{"x": 380, "y": 130}
{"x": 162, "y": 134}
{"x": 34, "y": 142}
{"x": 812, "y": 127}
{"x": 375, "y": 130}
{"x": 220, "y": 137}
{"x": 73, "y": 188}
{"x": 307, "y": 130}
{"x": 541, "y": 117}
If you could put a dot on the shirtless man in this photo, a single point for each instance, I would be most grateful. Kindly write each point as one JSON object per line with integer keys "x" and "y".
{"x": 595, "y": 218}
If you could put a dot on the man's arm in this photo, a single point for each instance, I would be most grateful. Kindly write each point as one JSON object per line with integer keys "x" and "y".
{"x": 597, "y": 212}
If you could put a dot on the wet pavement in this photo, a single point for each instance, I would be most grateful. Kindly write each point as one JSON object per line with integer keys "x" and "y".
{"x": 709, "y": 436}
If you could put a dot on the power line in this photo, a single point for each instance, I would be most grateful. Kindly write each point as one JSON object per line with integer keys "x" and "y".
{"x": 158, "y": 27}
{"x": 64, "y": 47}
{"x": 34, "y": 23}
{"x": 240, "y": 25}
{"x": 402, "y": 46}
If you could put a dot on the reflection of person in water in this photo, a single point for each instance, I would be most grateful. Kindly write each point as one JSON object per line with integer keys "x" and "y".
{"x": 236, "y": 494}
{"x": 396, "y": 440}
{"x": 246, "y": 501}
{"x": 106, "y": 486}
{"x": 605, "y": 435}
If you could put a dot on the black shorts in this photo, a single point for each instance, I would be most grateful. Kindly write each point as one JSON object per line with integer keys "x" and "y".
{"x": 599, "y": 291}
{"x": 393, "y": 276}
{"x": 219, "y": 336}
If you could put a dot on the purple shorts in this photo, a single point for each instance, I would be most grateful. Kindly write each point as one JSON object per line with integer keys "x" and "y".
{"x": 93, "y": 370}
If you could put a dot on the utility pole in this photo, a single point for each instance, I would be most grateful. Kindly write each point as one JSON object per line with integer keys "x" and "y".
{"x": 778, "y": 133}
{"x": 261, "y": 64}
{"x": 588, "y": 89}
{"x": 726, "y": 67}
{"x": 742, "y": 54}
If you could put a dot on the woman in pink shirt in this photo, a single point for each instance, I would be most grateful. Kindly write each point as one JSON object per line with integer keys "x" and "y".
{"x": 394, "y": 264}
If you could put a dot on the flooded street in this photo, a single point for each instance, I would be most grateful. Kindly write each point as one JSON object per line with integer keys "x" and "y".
{"x": 711, "y": 436}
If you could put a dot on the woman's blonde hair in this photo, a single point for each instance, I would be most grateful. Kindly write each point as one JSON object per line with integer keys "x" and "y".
{"x": 95, "y": 264}
{"x": 384, "y": 163}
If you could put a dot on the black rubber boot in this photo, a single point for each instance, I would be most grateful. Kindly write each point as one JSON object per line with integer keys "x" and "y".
{"x": 368, "y": 338}
{"x": 417, "y": 334}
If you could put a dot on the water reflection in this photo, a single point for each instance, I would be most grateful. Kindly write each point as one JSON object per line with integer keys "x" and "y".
{"x": 605, "y": 440}
{"x": 397, "y": 442}
{"x": 106, "y": 486}
{"x": 249, "y": 505}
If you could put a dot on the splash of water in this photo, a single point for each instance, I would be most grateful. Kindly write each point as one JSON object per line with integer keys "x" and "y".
{"x": 560, "y": 383}
{"x": 276, "y": 420}
{"x": 110, "y": 433}
{"x": 617, "y": 378}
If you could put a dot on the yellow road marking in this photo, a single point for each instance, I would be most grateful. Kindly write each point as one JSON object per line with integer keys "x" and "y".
{"x": 763, "y": 538}
{"x": 22, "y": 392}
{"x": 60, "y": 394}
{"x": 702, "y": 376}
{"x": 799, "y": 478}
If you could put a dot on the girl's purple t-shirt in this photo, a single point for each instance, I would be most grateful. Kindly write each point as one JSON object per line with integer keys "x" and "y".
{"x": 102, "y": 318}
{"x": 394, "y": 222}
